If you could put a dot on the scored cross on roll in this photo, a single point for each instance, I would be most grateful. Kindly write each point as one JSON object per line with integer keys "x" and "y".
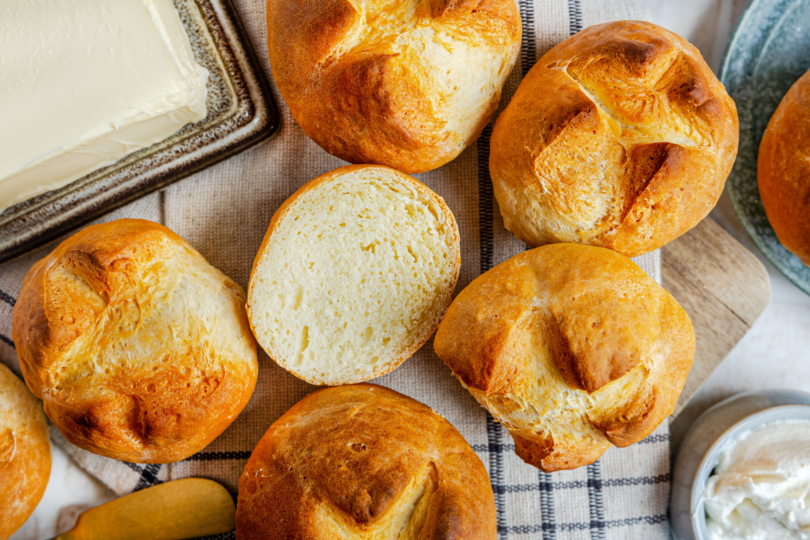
{"x": 620, "y": 137}
{"x": 138, "y": 347}
{"x": 364, "y": 462}
{"x": 572, "y": 348}
{"x": 406, "y": 84}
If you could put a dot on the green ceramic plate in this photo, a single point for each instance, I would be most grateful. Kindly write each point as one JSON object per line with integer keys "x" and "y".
{"x": 768, "y": 52}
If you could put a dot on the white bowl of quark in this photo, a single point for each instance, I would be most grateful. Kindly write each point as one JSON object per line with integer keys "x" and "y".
{"x": 704, "y": 443}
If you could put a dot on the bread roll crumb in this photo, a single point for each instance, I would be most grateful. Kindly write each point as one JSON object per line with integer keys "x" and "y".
{"x": 354, "y": 275}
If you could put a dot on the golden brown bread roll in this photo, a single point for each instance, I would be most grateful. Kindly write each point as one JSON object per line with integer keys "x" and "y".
{"x": 404, "y": 84}
{"x": 620, "y": 137}
{"x": 25, "y": 453}
{"x": 140, "y": 349}
{"x": 363, "y": 461}
{"x": 783, "y": 170}
{"x": 572, "y": 348}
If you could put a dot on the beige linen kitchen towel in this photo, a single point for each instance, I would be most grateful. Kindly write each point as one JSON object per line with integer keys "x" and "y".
{"x": 224, "y": 212}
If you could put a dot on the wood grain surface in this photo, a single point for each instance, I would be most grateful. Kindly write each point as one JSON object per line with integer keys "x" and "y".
{"x": 724, "y": 289}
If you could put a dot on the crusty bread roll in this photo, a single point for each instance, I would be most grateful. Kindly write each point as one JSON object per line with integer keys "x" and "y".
{"x": 363, "y": 461}
{"x": 572, "y": 348}
{"x": 783, "y": 170}
{"x": 400, "y": 83}
{"x": 140, "y": 349}
{"x": 355, "y": 272}
{"x": 620, "y": 137}
{"x": 25, "y": 453}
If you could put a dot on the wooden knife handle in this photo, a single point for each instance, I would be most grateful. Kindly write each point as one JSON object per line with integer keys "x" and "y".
{"x": 177, "y": 510}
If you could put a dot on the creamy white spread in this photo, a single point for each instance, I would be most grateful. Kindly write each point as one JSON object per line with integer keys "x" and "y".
{"x": 84, "y": 83}
{"x": 761, "y": 488}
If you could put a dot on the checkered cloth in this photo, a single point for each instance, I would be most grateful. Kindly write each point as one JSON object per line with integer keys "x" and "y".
{"x": 224, "y": 211}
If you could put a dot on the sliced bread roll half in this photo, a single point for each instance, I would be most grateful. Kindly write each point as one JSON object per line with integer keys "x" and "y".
{"x": 354, "y": 275}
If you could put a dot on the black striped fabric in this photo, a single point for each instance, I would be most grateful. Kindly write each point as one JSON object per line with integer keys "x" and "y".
{"x": 654, "y": 438}
{"x": 486, "y": 213}
{"x": 546, "y": 485}
{"x": 218, "y": 456}
{"x": 584, "y": 526}
{"x": 9, "y": 300}
{"x": 486, "y": 209}
{"x": 148, "y": 476}
{"x": 548, "y": 525}
{"x": 528, "y": 44}
{"x": 595, "y": 502}
{"x": 574, "y": 16}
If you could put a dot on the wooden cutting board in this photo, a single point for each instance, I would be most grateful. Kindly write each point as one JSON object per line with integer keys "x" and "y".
{"x": 724, "y": 289}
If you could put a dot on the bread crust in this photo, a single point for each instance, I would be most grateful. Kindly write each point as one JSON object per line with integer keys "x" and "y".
{"x": 573, "y": 348}
{"x": 287, "y": 208}
{"x": 783, "y": 169}
{"x": 360, "y": 459}
{"x": 619, "y": 137}
{"x": 140, "y": 349}
{"x": 25, "y": 453}
{"x": 358, "y": 80}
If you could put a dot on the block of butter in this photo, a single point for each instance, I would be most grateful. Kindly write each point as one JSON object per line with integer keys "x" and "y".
{"x": 83, "y": 84}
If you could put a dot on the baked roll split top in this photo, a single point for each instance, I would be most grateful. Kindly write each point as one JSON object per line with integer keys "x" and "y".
{"x": 140, "y": 349}
{"x": 403, "y": 83}
{"x": 573, "y": 348}
{"x": 363, "y": 461}
{"x": 620, "y": 137}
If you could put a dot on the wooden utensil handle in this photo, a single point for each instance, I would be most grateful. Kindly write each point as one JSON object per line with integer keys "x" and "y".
{"x": 188, "y": 508}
